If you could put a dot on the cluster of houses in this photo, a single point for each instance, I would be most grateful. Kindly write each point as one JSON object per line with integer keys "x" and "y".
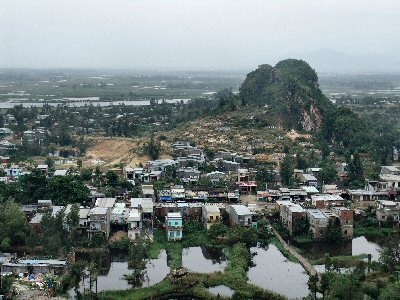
{"x": 322, "y": 205}
{"x": 325, "y": 210}
{"x": 139, "y": 216}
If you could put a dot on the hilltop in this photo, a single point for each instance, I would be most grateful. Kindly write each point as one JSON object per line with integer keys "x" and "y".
{"x": 290, "y": 90}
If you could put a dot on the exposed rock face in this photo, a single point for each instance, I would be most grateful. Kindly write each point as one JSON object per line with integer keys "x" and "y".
{"x": 291, "y": 90}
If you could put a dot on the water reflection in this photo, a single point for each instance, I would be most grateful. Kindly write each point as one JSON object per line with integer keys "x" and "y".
{"x": 359, "y": 245}
{"x": 274, "y": 272}
{"x": 113, "y": 279}
{"x": 221, "y": 290}
{"x": 203, "y": 260}
{"x": 156, "y": 269}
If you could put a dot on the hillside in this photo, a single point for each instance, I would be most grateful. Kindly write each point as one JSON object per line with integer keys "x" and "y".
{"x": 290, "y": 90}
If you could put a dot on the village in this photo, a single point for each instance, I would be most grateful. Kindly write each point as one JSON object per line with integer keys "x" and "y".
{"x": 230, "y": 194}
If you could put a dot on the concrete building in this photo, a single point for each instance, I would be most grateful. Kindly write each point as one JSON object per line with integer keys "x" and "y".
{"x": 174, "y": 226}
{"x": 119, "y": 214}
{"x": 366, "y": 197}
{"x": 325, "y": 201}
{"x": 239, "y": 215}
{"x": 291, "y": 215}
{"x": 99, "y": 221}
{"x": 318, "y": 223}
{"x": 134, "y": 223}
{"x": 309, "y": 180}
{"x": 346, "y": 217}
{"x": 211, "y": 215}
{"x": 387, "y": 211}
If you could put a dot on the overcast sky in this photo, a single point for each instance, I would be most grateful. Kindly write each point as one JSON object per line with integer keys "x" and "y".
{"x": 188, "y": 34}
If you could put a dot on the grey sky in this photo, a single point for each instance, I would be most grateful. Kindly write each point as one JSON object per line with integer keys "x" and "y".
{"x": 178, "y": 34}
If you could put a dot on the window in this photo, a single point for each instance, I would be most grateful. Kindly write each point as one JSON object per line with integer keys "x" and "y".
{"x": 211, "y": 218}
{"x": 345, "y": 232}
{"x": 171, "y": 234}
{"x": 176, "y": 223}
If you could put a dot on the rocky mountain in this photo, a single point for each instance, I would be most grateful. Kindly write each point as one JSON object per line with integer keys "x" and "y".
{"x": 291, "y": 92}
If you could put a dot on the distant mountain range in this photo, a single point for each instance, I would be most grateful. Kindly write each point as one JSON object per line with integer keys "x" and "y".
{"x": 330, "y": 60}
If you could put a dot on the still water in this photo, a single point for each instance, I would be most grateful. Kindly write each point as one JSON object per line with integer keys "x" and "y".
{"x": 359, "y": 245}
{"x": 221, "y": 290}
{"x": 203, "y": 260}
{"x": 83, "y": 103}
{"x": 274, "y": 272}
{"x": 156, "y": 270}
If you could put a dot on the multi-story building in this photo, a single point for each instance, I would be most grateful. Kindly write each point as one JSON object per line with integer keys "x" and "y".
{"x": 239, "y": 215}
{"x": 99, "y": 221}
{"x": 291, "y": 215}
{"x": 387, "y": 211}
{"x": 174, "y": 226}
{"x": 211, "y": 215}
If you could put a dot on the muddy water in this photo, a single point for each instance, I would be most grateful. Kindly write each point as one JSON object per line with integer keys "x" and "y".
{"x": 274, "y": 272}
{"x": 203, "y": 260}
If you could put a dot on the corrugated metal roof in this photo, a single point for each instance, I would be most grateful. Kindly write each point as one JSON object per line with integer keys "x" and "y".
{"x": 241, "y": 210}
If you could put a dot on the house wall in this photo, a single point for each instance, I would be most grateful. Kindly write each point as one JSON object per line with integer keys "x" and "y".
{"x": 210, "y": 218}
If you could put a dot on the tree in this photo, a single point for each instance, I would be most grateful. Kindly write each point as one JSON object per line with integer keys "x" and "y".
{"x": 304, "y": 226}
{"x": 14, "y": 228}
{"x": 138, "y": 253}
{"x": 301, "y": 162}
{"x": 153, "y": 148}
{"x": 86, "y": 174}
{"x": 356, "y": 172}
{"x": 334, "y": 231}
{"x": 390, "y": 256}
{"x": 345, "y": 287}
{"x": 72, "y": 222}
{"x": 112, "y": 179}
{"x": 242, "y": 234}
{"x": 54, "y": 235}
{"x": 328, "y": 173}
{"x": 217, "y": 230}
{"x": 313, "y": 285}
{"x": 287, "y": 170}
{"x": 67, "y": 189}
{"x": 33, "y": 187}
{"x": 64, "y": 137}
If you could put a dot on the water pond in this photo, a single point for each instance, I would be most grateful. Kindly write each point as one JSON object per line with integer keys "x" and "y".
{"x": 221, "y": 290}
{"x": 273, "y": 271}
{"x": 359, "y": 245}
{"x": 203, "y": 259}
{"x": 156, "y": 270}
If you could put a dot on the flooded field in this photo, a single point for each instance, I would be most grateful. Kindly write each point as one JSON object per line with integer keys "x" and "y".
{"x": 274, "y": 272}
{"x": 203, "y": 260}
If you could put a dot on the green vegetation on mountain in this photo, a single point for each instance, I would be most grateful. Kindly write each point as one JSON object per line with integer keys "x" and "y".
{"x": 290, "y": 94}
{"x": 290, "y": 90}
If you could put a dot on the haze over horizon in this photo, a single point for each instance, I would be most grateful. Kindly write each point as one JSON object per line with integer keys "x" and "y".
{"x": 206, "y": 35}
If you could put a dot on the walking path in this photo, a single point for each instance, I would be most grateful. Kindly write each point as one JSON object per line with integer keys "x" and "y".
{"x": 304, "y": 262}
